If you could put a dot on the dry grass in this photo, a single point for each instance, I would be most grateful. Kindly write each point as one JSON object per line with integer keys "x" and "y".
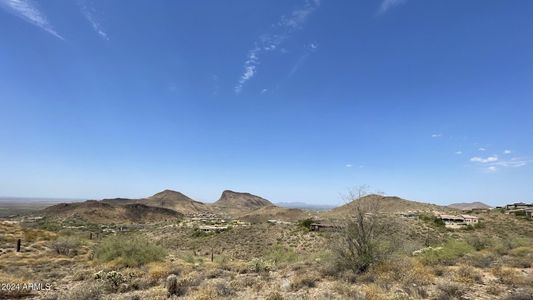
{"x": 513, "y": 277}
{"x": 404, "y": 270}
{"x": 468, "y": 274}
{"x": 304, "y": 280}
{"x": 282, "y": 262}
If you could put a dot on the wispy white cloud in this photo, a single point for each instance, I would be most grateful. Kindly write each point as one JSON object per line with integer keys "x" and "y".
{"x": 310, "y": 49}
{"x": 514, "y": 162}
{"x": 482, "y": 149}
{"x": 29, "y": 12}
{"x": 493, "y": 163}
{"x": 436, "y": 135}
{"x": 491, "y": 169}
{"x": 458, "y": 152}
{"x": 272, "y": 41}
{"x": 507, "y": 152}
{"x": 388, "y": 4}
{"x": 88, "y": 13}
{"x": 484, "y": 160}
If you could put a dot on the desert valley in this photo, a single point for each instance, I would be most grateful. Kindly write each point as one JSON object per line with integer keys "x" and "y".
{"x": 169, "y": 246}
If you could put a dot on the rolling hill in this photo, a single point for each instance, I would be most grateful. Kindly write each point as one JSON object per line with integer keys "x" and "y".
{"x": 469, "y": 206}
{"x": 387, "y": 204}
{"x": 99, "y": 212}
{"x": 235, "y": 203}
{"x": 176, "y": 201}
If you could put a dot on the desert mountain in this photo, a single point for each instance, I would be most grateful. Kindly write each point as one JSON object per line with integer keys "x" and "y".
{"x": 166, "y": 199}
{"x": 387, "y": 204}
{"x": 176, "y": 201}
{"x": 100, "y": 212}
{"x": 237, "y": 203}
{"x": 469, "y": 206}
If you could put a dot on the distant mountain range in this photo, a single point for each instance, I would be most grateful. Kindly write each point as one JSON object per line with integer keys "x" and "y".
{"x": 100, "y": 212}
{"x": 172, "y": 204}
{"x": 469, "y": 206}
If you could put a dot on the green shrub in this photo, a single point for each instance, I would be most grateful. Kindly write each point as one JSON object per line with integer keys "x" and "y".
{"x": 448, "y": 254}
{"x": 197, "y": 233}
{"x": 258, "y": 265}
{"x": 306, "y": 223}
{"x": 479, "y": 243}
{"x": 129, "y": 251}
{"x": 281, "y": 256}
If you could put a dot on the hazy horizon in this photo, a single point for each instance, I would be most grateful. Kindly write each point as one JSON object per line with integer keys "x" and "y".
{"x": 296, "y": 101}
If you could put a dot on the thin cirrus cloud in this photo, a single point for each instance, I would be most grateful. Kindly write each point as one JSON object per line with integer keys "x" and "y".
{"x": 493, "y": 163}
{"x": 386, "y": 5}
{"x": 29, "y": 12}
{"x": 272, "y": 41}
{"x": 308, "y": 51}
{"x": 484, "y": 160}
{"x": 89, "y": 15}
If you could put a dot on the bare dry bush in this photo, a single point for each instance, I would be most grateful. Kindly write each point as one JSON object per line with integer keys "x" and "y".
{"x": 450, "y": 290}
{"x": 368, "y": 238}
{"x": 468, "y": 274}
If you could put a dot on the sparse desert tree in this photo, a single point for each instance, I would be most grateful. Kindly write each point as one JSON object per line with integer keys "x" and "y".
{"x": 68, "y": 245}
{"x": 367, "y": 237}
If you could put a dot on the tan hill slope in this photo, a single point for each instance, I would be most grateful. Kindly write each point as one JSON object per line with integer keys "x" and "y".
{"x": 387, "y": 204}
{"x": 469, "y": 206}
{"x": 99, "y": 212}
{"x": 252, "y": 208}
{"x": 176, "y": 201}
{"x": 166, "y": 199}
{"x": 236, "y": 203}
{"x": 243, "y": 206}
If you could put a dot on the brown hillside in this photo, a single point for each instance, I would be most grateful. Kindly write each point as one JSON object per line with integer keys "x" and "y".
{"x": 469, "y": 206}
{"x": 238, "y": 203}
{"x": 99, "y": 212}
{"x": 388, "y": 204}
{"x": 176, "y": 201}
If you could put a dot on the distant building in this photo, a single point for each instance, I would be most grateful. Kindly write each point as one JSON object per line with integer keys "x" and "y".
{"x": 480, "y": 210}
{"x": 324, "y": 227}
{"x": 208, "y": 228}
{"x": 413, "y": 215}
{"x": 519, "y": 205}
{"x": 470, "y": 220}
{"x": 280, "y": 222}
{"x": 453, "y": 221}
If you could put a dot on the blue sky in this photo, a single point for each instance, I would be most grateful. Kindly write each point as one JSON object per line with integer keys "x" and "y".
{"x": 292, "y": 100}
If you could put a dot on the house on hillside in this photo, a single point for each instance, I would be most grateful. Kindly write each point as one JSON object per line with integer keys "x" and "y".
{"x": 519, "y": 205}
{"x": 452, "y": 221}
{"x": 324, "y": 227}
{"x": 529, "y": 213}
{"x": 479, "y": 210}
{"x": 279, "y": 222}
{"x": 470, "y": 220}
{"x": 213, "y": 228}
{"x": 412, "y": 215}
